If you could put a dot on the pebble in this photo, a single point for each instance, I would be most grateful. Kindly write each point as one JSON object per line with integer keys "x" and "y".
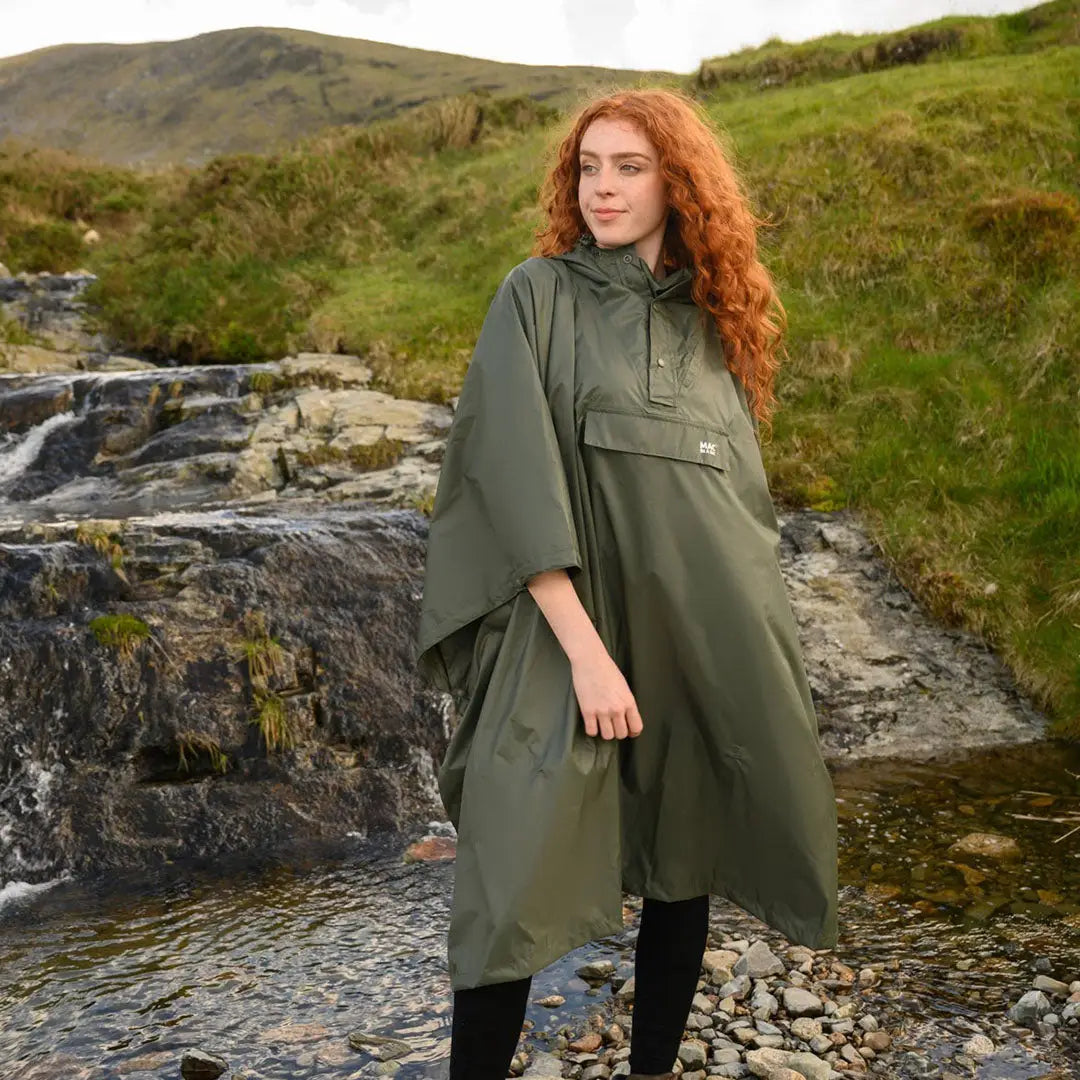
{"x": 806, "y": 1021}
{"x": 199, "y": 1065}
{"x": 802, "y": 1002}
{"x": 979, "y": 1046}
{"x": 587, "y": 1044}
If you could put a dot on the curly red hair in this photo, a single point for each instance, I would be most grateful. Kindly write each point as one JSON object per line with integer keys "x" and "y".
{"x": 711, "y": 227}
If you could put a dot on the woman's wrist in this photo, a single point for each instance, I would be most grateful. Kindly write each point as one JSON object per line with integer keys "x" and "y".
{"x": 557, "y": 598}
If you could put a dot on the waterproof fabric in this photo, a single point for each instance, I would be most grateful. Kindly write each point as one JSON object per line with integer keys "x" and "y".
{"x": 599, "y": 430}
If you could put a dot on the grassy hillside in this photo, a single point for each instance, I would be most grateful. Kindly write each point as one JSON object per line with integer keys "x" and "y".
{"x": 250, "y": 90}
{"x": 927, "y": 244}
{"x": 776, "y": 64}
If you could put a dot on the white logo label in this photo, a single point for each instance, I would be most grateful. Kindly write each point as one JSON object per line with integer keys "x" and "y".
{"x": 707, "y": 448}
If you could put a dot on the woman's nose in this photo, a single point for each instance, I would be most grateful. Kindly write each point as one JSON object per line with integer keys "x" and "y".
{"x": 605, "y": 183}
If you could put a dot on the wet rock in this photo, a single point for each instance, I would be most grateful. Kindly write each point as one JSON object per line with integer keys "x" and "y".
{"x": 596, "y": 971}
{"x": 382, "y": 1047}
{"x": 431, "y": 849}
{"x": 551, "y": 1001}
{"x": 989, "y": 845}
{"x": 889, "y": 681}
{"x": 1030, "y": 1008}
{"x": 199, "y": 1065}
{"x": 587, "y": 1044}
{"x": 129, "y": 725}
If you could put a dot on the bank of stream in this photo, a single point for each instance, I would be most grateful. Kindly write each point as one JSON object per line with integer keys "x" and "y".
{"x": 272, "y": 966}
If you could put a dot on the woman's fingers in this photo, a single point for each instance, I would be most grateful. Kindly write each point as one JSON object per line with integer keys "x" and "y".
{"x": 614, "y": 724}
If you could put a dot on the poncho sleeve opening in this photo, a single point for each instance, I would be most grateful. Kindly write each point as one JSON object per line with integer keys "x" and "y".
{"x": 502, "y": 509}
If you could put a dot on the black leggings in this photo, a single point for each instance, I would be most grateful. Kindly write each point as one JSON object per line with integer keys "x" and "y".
{"x": 667, "y": 961}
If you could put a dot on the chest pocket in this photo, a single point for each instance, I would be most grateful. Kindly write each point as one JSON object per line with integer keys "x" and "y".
{"x": 657, "y": 436}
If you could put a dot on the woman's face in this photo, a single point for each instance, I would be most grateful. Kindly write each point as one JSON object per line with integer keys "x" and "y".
{"x": 622, "y": 196}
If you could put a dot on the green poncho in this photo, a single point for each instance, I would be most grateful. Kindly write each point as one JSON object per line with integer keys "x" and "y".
{"x": 599, "y": 430}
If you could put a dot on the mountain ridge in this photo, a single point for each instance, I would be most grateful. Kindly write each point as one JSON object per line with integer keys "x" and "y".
{"x": 255, "y": 90}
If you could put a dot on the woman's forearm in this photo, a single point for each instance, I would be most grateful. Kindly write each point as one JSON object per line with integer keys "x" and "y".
{"x": 556, "y": 597}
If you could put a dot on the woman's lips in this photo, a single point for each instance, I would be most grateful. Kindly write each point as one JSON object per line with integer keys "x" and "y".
{"x": 606, "y": 215}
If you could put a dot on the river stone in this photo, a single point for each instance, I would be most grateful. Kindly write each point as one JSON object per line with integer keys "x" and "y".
{"x": 758, "y": 961}
{"x": 763, "y": 1005}
{"x": 199, "y": 1065}
{"x": 764, "y": 1062}
{"x": 596, "y": 970}
{"x": 877, "y": 1040}
{"x": 737, "y": 987}
{"x": 718, "y": 965}
{"x": 544, "y": 1064}
{"x": 991, "y": 845}
{"x": 979, "y": 1046}
{"x": 381, "y": 1046}
{"x": 1029, "y": 1008}
{"x": 587, "y": 1044}
{"x": 772, "y": 1041}
{"x": 1050, "y": 986}
{"x": 804, "y": 1027}
{"x": 693, "y": 1054}
{"x": 799, "y": 1002}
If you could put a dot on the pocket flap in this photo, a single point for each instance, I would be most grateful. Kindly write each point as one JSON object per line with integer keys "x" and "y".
{"x": 657, "y": 436}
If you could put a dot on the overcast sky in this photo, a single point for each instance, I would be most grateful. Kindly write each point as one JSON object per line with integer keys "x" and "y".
{"x": 668, "y": 34}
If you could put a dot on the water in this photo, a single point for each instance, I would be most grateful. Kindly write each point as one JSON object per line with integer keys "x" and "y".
{"x": 272, "y": 966}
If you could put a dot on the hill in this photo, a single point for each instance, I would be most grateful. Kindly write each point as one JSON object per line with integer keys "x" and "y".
{"x": 256, "y": 89}
{"x": 926, "y": 240}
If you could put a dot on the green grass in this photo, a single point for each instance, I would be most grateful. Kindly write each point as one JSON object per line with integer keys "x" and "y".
{"x": 925, "y": 236}
{"x": 836, "y": 56}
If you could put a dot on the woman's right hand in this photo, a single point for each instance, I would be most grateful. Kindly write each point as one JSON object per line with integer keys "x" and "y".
{"x": 607, "y": 705}
{"x": 606, "y": 701}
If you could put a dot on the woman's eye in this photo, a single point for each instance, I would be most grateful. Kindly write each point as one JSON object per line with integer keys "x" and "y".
{"x": 629, "y": 166}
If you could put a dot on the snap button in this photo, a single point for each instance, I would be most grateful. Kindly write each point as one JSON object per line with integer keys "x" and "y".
{"x": 628, "y": 258}
{"x": 660, "y": 362}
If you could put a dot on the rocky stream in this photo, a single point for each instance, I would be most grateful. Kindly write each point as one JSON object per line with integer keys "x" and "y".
{"x": 222, "y": 850}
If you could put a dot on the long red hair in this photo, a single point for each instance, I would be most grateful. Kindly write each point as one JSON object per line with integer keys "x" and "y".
{"x": 711, "y": 227}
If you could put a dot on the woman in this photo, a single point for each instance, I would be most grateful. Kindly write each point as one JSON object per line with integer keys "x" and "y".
{"x": 603, "y": 594}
